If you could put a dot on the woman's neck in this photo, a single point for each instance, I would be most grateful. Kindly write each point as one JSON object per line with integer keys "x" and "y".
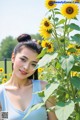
{"x": 18, "y": 83}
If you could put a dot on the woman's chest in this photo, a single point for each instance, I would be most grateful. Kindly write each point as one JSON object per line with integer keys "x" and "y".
{"x": 20, "y": 99}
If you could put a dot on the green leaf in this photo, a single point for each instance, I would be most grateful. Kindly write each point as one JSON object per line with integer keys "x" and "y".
{"x": 34, "y": 107}
{"x": 76, "y": 82}
{"x": 48, "y": 92}
{"x": 42, "y": 53}
{"x": 47, "y": 58}
{"x": 41, "y": 93}
{"x": 72, "y": 50}
{"x": 56, "y": 19}
{"x": 76, "y": 38}
{"x": 57, "y": 13}
{"x": 67, "y": 63}
{"x": 76, "y": 68}
{"x": 56, "y": 8}
{"x": 63, "y": 110}
{"x": 61, "y": 21}
{"x": 77, "y": 100}
{"x": 77, "y": 116}
{"x": 74, "y": 26}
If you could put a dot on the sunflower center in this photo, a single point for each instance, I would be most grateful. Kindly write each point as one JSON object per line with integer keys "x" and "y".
{"x": 48, "y": 45}
{"x": 46, "y": 23}
{"x": 50, "y": 3}
{"x": 69, "y": 10}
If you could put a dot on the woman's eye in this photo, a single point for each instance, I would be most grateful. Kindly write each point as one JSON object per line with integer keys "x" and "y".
{"x": 34, "y": 65}
{"x": 23, "y": 59}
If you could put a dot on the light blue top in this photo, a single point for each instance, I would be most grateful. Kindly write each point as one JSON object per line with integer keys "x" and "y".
{"x": 15, "y": 114}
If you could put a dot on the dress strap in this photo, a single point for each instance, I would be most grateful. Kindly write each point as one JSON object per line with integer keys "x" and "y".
{"x": 36, "y": 85}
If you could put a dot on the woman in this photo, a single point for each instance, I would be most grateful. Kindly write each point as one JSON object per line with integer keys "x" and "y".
{"x": 17, "y": 95}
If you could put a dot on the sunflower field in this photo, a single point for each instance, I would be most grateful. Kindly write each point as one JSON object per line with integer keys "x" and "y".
{"x": 5, "y": 74}
{"x": 60, "y": 57}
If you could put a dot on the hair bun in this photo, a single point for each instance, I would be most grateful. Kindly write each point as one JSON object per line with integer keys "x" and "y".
{"x": 24, "y": 38}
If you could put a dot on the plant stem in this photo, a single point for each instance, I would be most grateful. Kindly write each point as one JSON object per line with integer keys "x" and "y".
{"x": 64, "y": 33}
{"x": 54, "y": 24}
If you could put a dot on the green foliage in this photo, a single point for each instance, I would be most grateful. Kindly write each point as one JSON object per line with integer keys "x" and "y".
{"x": 46, "y": 59}
{"x": 62, "y": 66}
{"x": 67, "y": 63}
{"x": 36, "y": 36}
{"x": 76, "y": 82}
{"x": 63, "y": 110}
{"x": 76, "y": 38}
{"x": 49, "y": 91}
{"x": 7, "y": 46}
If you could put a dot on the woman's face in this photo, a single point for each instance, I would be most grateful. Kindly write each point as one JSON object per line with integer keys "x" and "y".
{"x": 24, "y": 63}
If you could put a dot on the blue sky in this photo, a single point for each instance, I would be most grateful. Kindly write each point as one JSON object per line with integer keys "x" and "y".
{"x": 20, "y": 16}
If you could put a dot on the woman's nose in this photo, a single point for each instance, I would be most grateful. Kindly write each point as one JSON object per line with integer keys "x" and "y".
{"x": 26, "y": 67}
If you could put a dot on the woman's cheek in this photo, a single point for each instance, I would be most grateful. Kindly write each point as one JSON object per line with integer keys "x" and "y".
{"x": 17, "y": 63}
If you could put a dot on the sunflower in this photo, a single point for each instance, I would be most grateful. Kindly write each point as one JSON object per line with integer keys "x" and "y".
{"x": 45, "y": 23}
{"x": 40, "y": 70}
{"x": 45, "y": 33}
{"x": 39, "y": 42}
{"x": 4, "y": 80}
{"x": 69, "y": 10}
{"x": 10, "y": 74}
{"x": 77, "y": 50}
{"x": 71, "y": 46}
{"x": 74, "y": 73}
{"x": 1, "y": 70}
{"x": 47, "y": 44}
{"x": 50, "y": 4}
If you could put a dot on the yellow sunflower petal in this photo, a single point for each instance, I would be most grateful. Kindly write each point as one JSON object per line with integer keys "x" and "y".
{"x": 71, "y": 45}
{"x": 4, "y": 80}
{"x": 69, "y": 10}
{"x": 47, "y": 44}
{"x": 45, "y": 23}
{"x": 1, "y": 70}
{"x": 50, "y": 4}
{"x": 40, "y": 70}
{"x": 44, "y": 33}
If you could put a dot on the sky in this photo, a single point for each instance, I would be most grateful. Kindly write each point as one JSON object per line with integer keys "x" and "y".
{"x": 20, "y": 16}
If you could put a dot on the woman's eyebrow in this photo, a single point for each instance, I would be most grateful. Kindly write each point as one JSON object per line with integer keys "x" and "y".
{"x": 35, "y": 62}
{"x": 28, "y": 58}
{"x": 25, "y": 57}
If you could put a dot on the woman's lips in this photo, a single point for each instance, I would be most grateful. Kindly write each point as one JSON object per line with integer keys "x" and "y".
{"x": 23, "y": 72}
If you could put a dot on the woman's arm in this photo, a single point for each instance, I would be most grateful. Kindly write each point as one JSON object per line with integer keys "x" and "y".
{"x": 50, "y": 103}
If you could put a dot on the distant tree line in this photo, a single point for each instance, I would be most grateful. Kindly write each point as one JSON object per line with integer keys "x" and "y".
{"x": 7, "y": 45}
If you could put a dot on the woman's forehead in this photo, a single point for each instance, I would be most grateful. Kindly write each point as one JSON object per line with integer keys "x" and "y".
{"x": 28, "y": 53}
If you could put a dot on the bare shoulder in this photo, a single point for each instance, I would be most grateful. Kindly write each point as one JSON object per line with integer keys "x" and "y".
{"x": 43, "y": 84}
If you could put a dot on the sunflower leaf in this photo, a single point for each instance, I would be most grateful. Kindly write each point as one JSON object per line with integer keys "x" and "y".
{"x": 76, "y": 38}
{"x": 63, "y": 110}
{"x": 42, "y": 53}
{"x": 74, "y": 26}
{"x": 47, "y": 58}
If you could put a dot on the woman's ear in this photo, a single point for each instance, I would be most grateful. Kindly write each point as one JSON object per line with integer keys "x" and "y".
{"x": 12, "y": 57}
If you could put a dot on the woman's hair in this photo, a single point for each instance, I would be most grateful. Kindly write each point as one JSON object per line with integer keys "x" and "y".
{"x": 28, "y": 43}
{"x": 23, "y": 37}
